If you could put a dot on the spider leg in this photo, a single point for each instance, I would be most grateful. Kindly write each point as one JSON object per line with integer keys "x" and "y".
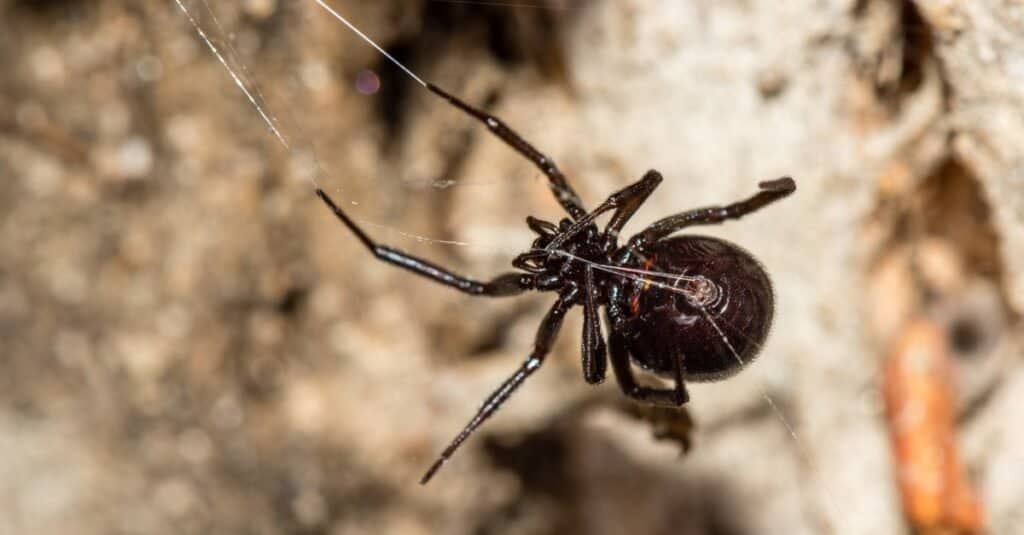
{"x": 771, "y": 191}
{"x": 563, "y": 192}
{"x": 619, "y": 355}
{"x": 502, "y": 285}
{"x": 628, "y": 201}
{"x": 595, "y": 361}
{"x": 541, "y": 346}
{"x": 625, "y": 202}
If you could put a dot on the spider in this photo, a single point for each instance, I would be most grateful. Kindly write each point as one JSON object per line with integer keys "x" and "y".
{"x": 670, "y": 328}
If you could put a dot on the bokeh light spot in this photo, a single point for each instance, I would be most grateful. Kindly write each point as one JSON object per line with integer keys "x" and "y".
{"x": 367, "y": 82}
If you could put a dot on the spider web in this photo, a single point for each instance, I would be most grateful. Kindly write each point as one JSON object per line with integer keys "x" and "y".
{"x": 278, "y": 114}
{"x": 289, "y": 134}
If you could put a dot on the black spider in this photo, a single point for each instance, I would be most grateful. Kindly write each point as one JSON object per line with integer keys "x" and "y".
{"x": 669, "y": 320}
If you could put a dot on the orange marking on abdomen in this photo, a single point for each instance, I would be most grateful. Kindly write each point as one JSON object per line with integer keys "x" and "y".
{"x": 634, "y": 302}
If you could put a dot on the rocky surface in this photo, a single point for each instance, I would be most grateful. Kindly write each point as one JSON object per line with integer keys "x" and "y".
{"x": 191, "y": 343}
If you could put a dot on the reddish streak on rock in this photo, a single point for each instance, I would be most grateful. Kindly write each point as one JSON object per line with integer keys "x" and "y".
{"x": 937, "y": 498}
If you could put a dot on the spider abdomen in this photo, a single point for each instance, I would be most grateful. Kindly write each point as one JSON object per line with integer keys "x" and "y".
{"x": 702, "y": 301}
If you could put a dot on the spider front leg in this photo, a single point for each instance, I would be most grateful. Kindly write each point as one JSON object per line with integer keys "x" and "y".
{"x": 564, "y": 194}
{"x": 625, "y": 202}
{"x": 546, "y": 333}
{"x": 502, "y": 285}
{"x": 628, "y": 201}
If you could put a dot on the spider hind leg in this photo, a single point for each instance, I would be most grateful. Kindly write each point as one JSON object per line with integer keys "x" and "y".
{"x": 669, "y": 397}
{"x": 546, "y": 333}
{"x": 770, "y": 192}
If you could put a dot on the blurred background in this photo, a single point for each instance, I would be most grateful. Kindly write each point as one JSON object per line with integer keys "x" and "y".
{"x": 191, "y": 343}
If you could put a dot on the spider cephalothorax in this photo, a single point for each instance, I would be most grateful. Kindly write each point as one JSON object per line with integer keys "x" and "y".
{"x": 684, "y": 307}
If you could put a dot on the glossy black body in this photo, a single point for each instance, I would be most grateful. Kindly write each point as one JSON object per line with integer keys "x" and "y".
{"x": 686, "y": 308}
{"x": 714, "y": 321}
